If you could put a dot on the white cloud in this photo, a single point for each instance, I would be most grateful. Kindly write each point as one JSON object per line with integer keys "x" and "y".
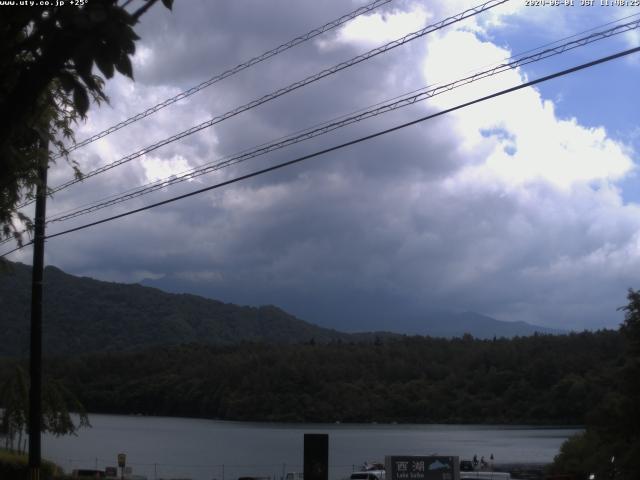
{"x": 378, "y": 28}
{"x": 503, "y": 208}
{"x": 156, "y": 168}
{"x": 531, "y": 142}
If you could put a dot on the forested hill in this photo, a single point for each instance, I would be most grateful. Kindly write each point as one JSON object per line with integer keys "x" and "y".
{"x": 86, "y": 315}
{"x": 542, "y": 379}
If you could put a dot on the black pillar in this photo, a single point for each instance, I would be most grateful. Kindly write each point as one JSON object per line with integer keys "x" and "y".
{"x": 35, "y": 360}
{"x": 316, "y": 456}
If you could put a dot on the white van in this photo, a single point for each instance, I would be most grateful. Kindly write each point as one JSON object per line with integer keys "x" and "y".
{"x": 368, "y": 475}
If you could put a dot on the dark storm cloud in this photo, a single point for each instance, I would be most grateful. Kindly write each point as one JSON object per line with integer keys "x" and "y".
{"x": 229, "y": 33}
{"x": 361, "y": 238}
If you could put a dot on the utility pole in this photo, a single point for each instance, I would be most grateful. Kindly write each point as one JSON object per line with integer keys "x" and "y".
{"x": 35, "y": 358}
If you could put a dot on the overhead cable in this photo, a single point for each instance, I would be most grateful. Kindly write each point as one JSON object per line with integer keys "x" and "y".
{"x": 346, "y": 144}
{"x": 232, "y": 71}
{"x": 282, "y": 91}
{"x": 378, "y": 109}
{"x": 201, "y": 170}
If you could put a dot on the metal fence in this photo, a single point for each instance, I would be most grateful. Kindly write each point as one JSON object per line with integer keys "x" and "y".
{"x": 166, "y": 471}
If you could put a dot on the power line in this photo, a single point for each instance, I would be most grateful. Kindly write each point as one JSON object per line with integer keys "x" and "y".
{"x": 232, "y": 71}
{"x": 195, "y": 172}
{"x": 10, "y": 237}
{"x": 211, "y": 166}
{"x": 583, "y": 32}
{"x": 19, "y": 247}
{"x": 294, "y": 86}
{"x": 347, "y": 144}
{"x": 381, "y": 108}
{"x": 555, "y": 42}
{"x": 185, "y": 175}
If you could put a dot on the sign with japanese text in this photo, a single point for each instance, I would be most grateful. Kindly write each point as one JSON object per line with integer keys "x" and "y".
{"x": 422, "y": 468}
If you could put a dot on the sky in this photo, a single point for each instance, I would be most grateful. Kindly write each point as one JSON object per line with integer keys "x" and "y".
{"x": 525, "y": 207}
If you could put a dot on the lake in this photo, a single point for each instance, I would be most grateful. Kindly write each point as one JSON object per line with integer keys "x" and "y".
{"x": 161, "y": 447}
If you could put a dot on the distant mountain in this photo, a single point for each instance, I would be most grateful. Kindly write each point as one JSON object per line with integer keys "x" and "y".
{"x": 86, "y": 315}
{"x": 480, "y": 326}
{"x": 358, "y": 311}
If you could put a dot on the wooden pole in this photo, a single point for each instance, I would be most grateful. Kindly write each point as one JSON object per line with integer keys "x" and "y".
{"x": 35, "y": 359}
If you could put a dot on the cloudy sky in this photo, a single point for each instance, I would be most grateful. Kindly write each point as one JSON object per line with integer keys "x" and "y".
{"x": 525, "y": 207}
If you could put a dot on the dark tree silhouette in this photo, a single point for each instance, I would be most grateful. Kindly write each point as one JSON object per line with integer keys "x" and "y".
{"x": 47, "y": 55}
{"x": 610, "y": 445}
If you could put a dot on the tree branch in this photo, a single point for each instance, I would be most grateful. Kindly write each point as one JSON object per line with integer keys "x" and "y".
{"x": 141, "y": 11}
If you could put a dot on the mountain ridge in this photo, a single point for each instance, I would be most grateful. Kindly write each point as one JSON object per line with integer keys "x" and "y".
{"x": 87, "y": 315}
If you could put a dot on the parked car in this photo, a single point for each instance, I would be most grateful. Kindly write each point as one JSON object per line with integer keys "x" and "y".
{"x": 466, "y": 466}
{"x": 88, "y": 473}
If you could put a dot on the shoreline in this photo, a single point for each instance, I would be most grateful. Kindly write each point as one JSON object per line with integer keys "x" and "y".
{"x": 293, "y": 424}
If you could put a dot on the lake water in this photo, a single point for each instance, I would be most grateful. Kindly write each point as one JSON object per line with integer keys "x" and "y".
{"x": 161, "y": 447}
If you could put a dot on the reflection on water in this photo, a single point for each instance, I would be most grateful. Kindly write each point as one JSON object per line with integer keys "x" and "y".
{"x": 161, "y": 447}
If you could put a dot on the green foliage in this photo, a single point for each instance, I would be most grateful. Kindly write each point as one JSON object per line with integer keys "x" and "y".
{"x": 411, "y": 379}
{"x": 57, "y": 402}
{"x": 84, "y": 315}
{"x": 14, "y": 466}
{"x": 14, "y": 401}
{"x": 583, "y": 454}
{"x": 631, "y": 326}
{"x": 47, "y": 56}
{"x": 613, "y": 424}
